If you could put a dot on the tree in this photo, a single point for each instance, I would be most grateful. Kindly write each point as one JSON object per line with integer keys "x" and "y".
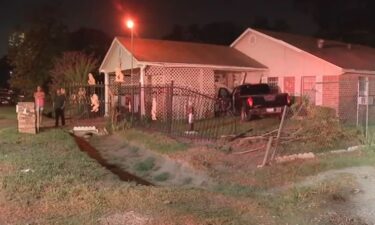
{"x": 222, "y": 33}
{"x": 89, "y": 41}
{"x": 347, "y": 20}
{"x": 4, "y": 72}
{"x": 72, "y": 67}
{"x": 31, "y": 57}
{"x": 261, "y": 22}
{"x": 215, "y": 33}
{"x": 177, "y": 34}
{"x": 280, "y": 25}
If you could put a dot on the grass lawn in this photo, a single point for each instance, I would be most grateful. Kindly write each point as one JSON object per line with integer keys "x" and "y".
{"x": 8, "y": 113}
{"x": 8, "y": 116}
{"x": 155, "y": 141}
{"x": 45, "y": 179}
{"x": 52, "y": 182}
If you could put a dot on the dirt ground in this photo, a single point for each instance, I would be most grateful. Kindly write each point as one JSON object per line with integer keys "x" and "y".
{"x": 358, "y": 201}
{"x": 337, "y": 196}
{"x": 204, "y": 166}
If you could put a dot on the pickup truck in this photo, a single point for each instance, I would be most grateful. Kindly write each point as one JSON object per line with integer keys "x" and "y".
{"x": 249, "y": 100}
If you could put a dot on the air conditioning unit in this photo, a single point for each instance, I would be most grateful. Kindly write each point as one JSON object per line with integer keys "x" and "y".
{"x": 365, "y": 100}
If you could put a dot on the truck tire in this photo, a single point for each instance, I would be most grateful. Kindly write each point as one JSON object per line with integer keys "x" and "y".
{"x": 245, "y": 114}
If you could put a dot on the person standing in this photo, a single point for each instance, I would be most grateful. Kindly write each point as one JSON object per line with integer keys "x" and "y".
{"x": 39, "y": 98}
{"x": 59, "y": 107}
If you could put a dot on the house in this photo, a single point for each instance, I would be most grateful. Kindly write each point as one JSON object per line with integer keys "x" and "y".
{"x": 329, "y": 73}
{"x": 191, "y": 65}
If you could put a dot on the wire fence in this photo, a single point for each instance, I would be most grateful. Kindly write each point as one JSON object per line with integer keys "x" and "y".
{"x": 183, "y": 112}
{"x": 80, "y": 99}
{"x": 176, "y": 111}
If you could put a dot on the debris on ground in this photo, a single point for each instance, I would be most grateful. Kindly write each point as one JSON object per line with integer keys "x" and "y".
{"x": 300, "y": 156}
{"x": 315, "y": 130}
{"x": 27, "y": 170}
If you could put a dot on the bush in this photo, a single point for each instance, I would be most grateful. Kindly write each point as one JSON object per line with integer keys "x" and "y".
{"x": 316, "y": 129}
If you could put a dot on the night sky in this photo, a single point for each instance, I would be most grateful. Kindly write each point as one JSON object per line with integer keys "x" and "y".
{"x": 154, "y": 18}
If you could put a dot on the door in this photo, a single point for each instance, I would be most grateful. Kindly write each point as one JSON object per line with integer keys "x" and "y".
{"x": 308, "y": 88}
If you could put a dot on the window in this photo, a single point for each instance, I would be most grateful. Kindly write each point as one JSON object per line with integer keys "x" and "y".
{"x": 220, "y": 78}
{"x": 308, "y": 88}
{"x": 273, "y": 82}
{"x": 289, "y": 85}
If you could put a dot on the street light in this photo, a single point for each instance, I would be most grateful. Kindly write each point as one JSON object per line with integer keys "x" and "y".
{"x": 130, "y": 25}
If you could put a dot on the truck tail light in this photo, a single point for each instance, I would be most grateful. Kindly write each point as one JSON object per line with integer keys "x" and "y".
{"x": 250, "y": 101}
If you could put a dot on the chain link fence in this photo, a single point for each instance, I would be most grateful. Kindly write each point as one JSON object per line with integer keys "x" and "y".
{"x": 344, "y": 119}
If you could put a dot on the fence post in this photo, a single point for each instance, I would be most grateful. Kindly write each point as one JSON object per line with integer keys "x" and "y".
{"x": 170, "y": 107}
{"x": 367, "y": 106}
{"x": 132, "y": 105}
{"x": 106, "y": 94}
{"x": 279, "y": 133}
{"x": 118, "y": 85}
{"x": 268, "y": 148}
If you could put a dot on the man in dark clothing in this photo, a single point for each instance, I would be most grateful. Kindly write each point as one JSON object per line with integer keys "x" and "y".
{"x": 59, "y": 106}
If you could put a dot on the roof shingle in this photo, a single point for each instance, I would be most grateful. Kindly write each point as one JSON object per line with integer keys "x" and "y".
{"x": 162, "y": 51}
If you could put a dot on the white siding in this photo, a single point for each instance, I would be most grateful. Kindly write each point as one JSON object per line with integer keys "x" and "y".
{"x": 283, "y": 60}
{"x": 116, "y": 56}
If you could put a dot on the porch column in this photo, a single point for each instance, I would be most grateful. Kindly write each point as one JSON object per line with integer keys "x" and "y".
{"x": 106, "y": 94}
{"x": 142, "y": 81}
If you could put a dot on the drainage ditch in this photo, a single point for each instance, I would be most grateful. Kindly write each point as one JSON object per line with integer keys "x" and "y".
{"x": 93, "y": 153}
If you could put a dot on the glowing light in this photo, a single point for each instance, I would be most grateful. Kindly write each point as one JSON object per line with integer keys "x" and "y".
{"x": 130, "y": 24}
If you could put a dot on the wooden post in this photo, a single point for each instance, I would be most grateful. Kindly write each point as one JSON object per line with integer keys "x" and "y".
{"x": 269, "y": 144}
{"x": 357, "y": 103}
{"x": 279, "y": 133}
{"x": 367, "y": 107}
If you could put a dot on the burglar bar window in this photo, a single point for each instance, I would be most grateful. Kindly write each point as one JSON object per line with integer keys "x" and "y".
{"x": 273, "y": 82}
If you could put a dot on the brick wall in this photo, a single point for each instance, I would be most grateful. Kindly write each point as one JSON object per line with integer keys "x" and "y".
{"x": 348, "y": 99}
{"x": 330, "y": 91}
